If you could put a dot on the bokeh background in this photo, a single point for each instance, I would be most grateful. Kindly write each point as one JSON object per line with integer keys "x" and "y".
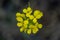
{"x": 50, "y": 20}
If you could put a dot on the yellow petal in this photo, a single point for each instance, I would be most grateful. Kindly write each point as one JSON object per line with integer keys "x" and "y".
{"x": 26, "y": 21}
{"x": 23, "y": 15}
{"x": 25, "y": 10}
{"x": 31, "y": 17}
{"x": 25, "y": 25}
{"x": 29, "y": 31}
{"x": 39, "y": 15}
{"x": 27, "y": 15}
{"x": 34, "y": 20}
{"x": 20, "y": 19}
{"x": 40, "y": 26}
{"x": 25, "y": 30}
{"x": 19, "y": 24}
{"x": 36, "y": 12}
{"x": 29, "y": 9}
{"x": 31, "y": 26}
{"x": 21, "y": 29}
{"x": 18, "y": 14}
{"x": 35, "y": 30}
{"x": 36, "y": 24}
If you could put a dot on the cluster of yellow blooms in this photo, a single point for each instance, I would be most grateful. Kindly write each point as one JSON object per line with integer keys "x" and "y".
{"x": 27, "y": 21}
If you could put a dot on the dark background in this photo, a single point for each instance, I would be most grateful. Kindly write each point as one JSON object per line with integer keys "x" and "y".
{"x": 50, "y": 20}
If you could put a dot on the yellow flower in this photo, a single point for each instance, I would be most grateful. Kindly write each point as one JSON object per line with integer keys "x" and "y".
{"x": 25, "y": 30}
{"x": 25, "y": 25}
{"x": 25, "y": 10}
{"x": 21, "y": 29}
{"x": 35, "y": 30}
{"x": 20, "y": 19}
{"x": 28, "y": 10}
{"x": 34, "y": 20}
{"x": 31, "y": 17}
{"x": 29, "y": 31}
{"x": 18, "y": 14}
{"x": 26, "y": 21}
{"x": 31, "y": 26}
{"x": 27, "y": 15}
{"x": 40, "y": 26}
{"x": 22, "y": 15}
{"x": 38, "y": 14}
{"x": 19, "y": 24}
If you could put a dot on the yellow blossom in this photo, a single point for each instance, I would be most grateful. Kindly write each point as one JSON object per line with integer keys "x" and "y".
{"x": 35, "y": 30}
{"x": 26, "y": 21}
{"x": 29, "y": 31}
{"x": 40, "y": 26}
{"x": 20, "y": 19}
{"x": 34, "y": 20}
{"x": 21, "y": 29}
{"x": 39, "y": 16}
{"x": 25, "y": 25}
{"x": 22, "y": 15}
{"x": 29, "y": 10}
{"x": 36, "y": 12}
{"x": 19, "y": 24}
{"x": 18, "y": 14}
{"x": 27, "y": 15}
{"x": 31, "y": 26}
{"x": 25, "y": 10}
{"x": 31, "y": 17}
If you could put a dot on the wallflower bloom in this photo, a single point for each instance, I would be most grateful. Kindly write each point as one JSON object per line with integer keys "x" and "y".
{"x": 29, "y": 31}
{"x": 34, "y": 20}
{"x": 19, "y": 24}
{"x": 28, "y": 22}
{"x": 38, "y": 14}
{"x": 20, "y": 19}
{"x": 31, "y": 17}
{"x": 18, "y": 14}
{"x": 28, "y": 10}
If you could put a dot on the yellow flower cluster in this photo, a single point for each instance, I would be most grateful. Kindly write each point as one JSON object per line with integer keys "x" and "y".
{"x": 27, "y": 21}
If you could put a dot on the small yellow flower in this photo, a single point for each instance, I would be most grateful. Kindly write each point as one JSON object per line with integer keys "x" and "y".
{"x": 22, "y": 15}
{"x": 25, "y": 25}
{"x": 34, "y": 20}
{"x": 29, "y": 31}
{"x": 26, "y": 21}
{"x": 25, "y": 30}
{"x": 31, "y": 17}
{"x": 19, "y": 24}
{"x": 29, "y": 10}
{"x": 31, "y": 26}
{"x": 40, "y": 26}
{"x": 35, "y": 30}
{"x": 18, "y": 14}
{"x": 27, "y": 15}
{"x": 25, "y": 10}
{"x": 36, "y": 12}
{"x": 39, "y": 16}
{"x": 20, "y": 19}
{"x": 21, "y": 29}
